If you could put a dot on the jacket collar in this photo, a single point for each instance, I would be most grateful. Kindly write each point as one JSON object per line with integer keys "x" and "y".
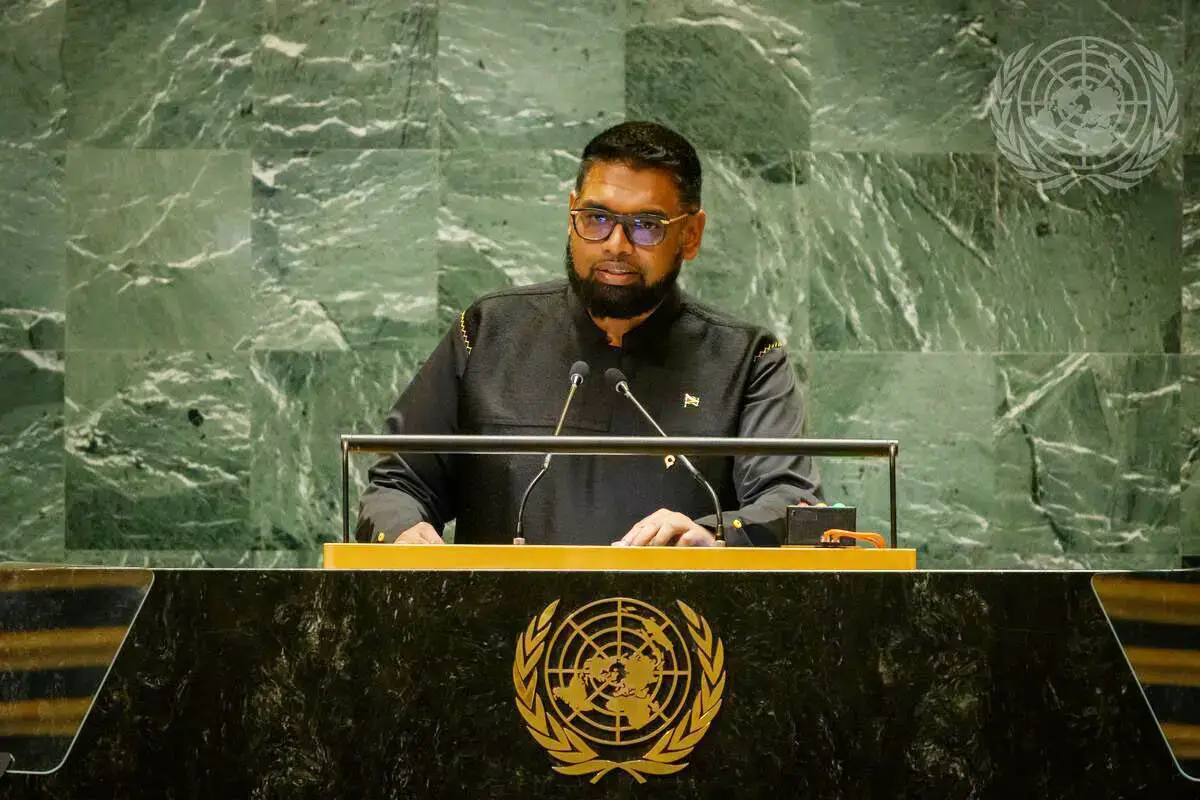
{"x": 650, "y": 333}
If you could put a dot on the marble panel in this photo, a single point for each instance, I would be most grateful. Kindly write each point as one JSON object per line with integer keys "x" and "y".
{"x": 1087, "y": 459}
{"x": 1189, "y": 418}
{"x": 1089, "y": 270}
{"x": 1190, "y": 278}
{"x": 903, "y": 76}
{"x": 729, "y": 76}
{"x": 158, "y": 451}
{"x": 502, "y": 222}
{"x": 160, "y": 73}
{"x": 301, "y": 403}
{"x": 902, "y": 251}
{"x": 916, "y": 76}
{"x": 1189, "y": 78}
{"x": 939, "y": 408}
{"x": 32, "y": 264}
{"x": 751, "y": 262}
{"x": 31, "y": 456}
{"x": 354, "y": 73}
{"x": 529, "y": 73}
{"x": 33, "y": 95}
{"x": 158, "y": 252}
{"x": 345, "y": 248}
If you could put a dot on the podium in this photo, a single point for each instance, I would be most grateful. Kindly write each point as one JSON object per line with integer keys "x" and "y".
{"x": 613, "y": 559}
{"x": 441, "y": 671}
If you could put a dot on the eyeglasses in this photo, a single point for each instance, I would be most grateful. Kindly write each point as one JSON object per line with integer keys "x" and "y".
{"x": 647, "y": 230}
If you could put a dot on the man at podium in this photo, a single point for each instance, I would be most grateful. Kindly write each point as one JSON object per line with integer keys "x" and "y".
{"x": 620, "y": 328}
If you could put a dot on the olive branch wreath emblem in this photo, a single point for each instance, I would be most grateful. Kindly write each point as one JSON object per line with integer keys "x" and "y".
{"x": 1128, "y": 170}
{"x": 666, "y": 755}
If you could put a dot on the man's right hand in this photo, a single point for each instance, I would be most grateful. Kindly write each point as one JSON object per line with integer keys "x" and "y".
{"x": 421, "y": 533}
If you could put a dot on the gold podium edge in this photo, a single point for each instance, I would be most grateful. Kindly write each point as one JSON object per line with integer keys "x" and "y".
{"x": 485, "y": 557}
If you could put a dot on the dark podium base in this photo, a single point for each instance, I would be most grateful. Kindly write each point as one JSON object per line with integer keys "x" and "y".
{"x": 311, "y": 684}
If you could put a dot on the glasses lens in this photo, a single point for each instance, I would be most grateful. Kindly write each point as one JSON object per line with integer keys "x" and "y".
{"x": 594, "y": 225}
{"x": 647, "y": 230}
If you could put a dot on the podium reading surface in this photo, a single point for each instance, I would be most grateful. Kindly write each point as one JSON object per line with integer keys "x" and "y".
{"x": 617, "y": 559}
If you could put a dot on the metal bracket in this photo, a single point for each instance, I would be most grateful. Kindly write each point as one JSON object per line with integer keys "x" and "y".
{"x": 616, "y": 445}
{"x": 892, "y": 450}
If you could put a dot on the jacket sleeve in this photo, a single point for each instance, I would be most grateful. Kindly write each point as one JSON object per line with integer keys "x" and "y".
{"x": 417, "y": 487}
{"x": 766, "y": 485}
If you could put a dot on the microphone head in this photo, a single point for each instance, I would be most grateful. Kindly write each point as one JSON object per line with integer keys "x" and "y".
{"x": 614, "y": 377}
{"x": 580, "y": 370}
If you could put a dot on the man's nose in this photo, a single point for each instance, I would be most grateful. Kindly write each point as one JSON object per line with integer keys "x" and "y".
{"x": 618, "y": 241}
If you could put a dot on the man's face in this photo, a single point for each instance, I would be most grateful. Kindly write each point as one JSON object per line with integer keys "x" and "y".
{"x": 617, "y": 278}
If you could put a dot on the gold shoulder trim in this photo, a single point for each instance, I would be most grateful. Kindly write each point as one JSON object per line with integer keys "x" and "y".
{"x": 772, "y": 346}
{"x": 462, "y": 331}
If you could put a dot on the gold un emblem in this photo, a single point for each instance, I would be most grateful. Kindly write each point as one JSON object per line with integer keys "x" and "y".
{"x": 617, "y": 686}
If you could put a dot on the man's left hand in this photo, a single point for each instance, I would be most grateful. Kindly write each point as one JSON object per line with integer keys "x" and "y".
{"x": 666, "y": 528}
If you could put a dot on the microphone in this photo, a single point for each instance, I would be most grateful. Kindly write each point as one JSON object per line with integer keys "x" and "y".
{"x": 620, "y": 384}
{"x": 579, "y": 371}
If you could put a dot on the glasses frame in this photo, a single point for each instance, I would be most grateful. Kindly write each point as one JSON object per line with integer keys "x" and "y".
{"x": 626, "y": 222}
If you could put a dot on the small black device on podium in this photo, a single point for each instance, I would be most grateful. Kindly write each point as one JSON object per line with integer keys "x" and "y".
{"x": 805, "y": 524}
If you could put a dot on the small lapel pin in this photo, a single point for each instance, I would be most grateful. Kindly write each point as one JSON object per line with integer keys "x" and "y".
{"x": 691, "y": 400}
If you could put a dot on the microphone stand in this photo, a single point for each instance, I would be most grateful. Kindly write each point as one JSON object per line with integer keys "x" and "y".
{"x": 576, "y": 380}
{"x": 623, "y": 388}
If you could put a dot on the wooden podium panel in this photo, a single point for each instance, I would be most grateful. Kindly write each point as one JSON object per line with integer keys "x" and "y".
{"x": 613, "y": 559}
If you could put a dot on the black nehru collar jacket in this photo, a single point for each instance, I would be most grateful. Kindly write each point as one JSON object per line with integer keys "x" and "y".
{"x": 502, "y": 369}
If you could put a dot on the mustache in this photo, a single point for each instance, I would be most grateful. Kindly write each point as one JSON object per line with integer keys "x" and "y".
{"x": 625, "y": 263}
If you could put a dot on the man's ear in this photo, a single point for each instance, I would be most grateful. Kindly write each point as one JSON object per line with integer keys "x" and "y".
{"x": 571, "y": 198}
{"x": 693, "y": 232}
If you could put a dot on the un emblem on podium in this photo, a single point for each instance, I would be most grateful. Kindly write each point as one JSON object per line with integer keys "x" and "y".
{"x": 617, "y": 685}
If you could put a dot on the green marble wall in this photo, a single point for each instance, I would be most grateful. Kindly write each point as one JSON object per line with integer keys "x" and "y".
{"x": 231, "y": 230}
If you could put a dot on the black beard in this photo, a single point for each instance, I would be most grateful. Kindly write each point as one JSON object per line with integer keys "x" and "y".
{"x": 605, "y": 301}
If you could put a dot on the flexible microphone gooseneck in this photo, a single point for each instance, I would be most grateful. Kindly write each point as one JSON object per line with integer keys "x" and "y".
{"x": 579, "y": 371}
{"x": 620, "y": 384}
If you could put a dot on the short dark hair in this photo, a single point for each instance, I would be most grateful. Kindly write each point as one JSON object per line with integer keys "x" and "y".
{"x": 647, "y": 145}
